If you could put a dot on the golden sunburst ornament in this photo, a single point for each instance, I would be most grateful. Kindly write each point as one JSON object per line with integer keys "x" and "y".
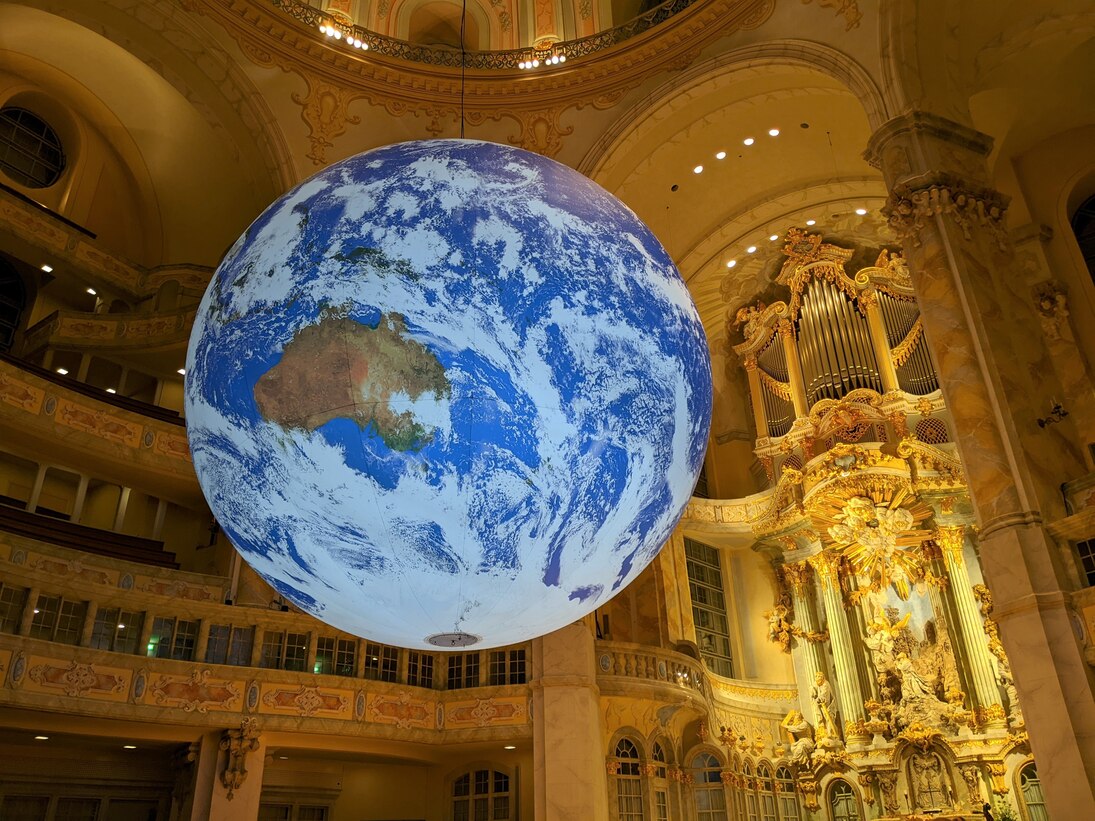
{"x": 875, "y": 536}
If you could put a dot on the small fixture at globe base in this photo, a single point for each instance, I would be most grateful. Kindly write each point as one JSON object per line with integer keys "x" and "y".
{"x": 453, "y": 639}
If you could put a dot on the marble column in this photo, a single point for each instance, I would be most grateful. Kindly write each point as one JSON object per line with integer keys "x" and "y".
{"x": 976, "y": 657}
{"x": 848, "y": 691}
{"x": 568, "y": 749}
{"x": 808, "y": 656}
{"x": 983, "y": 335}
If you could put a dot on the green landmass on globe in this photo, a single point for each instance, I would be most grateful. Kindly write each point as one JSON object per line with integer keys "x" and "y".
{"x": 340, "y": 368}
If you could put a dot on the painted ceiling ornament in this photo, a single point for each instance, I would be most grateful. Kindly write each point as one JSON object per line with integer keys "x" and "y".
{"x": 447, "y": 393}
{"x": 869, "y": 534}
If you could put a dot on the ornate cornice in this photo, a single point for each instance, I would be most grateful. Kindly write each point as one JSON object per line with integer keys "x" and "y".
{"x": 337, "y": 77}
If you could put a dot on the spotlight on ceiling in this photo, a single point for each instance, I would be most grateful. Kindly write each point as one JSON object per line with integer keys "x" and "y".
{"x": 861, "y": 211}
{"x": 731, "y": 263}
{"x": 811, "y": 222}
{"x": 698, "y": 169}
{"x": 748, "y": 141}
{"x": 721, "y": 155}
{"x": 773, "y": 132}
{"x": 752, "y": 249}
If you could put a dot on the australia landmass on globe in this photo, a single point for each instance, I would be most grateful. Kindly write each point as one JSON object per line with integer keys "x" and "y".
{"x": 340, "y": 368}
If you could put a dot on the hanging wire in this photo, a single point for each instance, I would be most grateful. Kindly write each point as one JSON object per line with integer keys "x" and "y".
{"x": 463, "y": 60}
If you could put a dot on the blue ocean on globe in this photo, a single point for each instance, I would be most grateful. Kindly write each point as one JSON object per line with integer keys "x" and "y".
{"x": 448, "y": 387}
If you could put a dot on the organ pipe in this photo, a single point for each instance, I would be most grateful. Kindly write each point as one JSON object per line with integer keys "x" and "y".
{"x": 838, "y": 353}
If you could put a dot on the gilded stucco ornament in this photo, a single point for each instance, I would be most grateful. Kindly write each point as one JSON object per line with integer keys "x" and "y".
{"x": 872, "y": 536}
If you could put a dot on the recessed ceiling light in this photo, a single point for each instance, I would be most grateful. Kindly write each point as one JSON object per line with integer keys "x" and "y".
{"x": 129, "y": 746}
{"x": 283, "y": 758}
{"x": 36, "y": 611}
{"x": 121, "y": 627}
{"x": 721, "y": 155}
{"x": 752, "y": 249}
{"x": 510, "y": 747}
{"x": 48, "y": 269}
{"x": 41, "y": 738}
{"x": 773, "y": 238}
{"x": 181, "y": 371}
{"x": 773, "y": 132}
{"x": 811, "y": 222}
{"x": 698, "y": 169}
{"x": 63, "y": 372}
{"x": 861, "y": 211}
{"x": 748, "y": 141}
{"x": 111, "y": 390}
{"x": 731, "y": 263}
{"x": 91, "y": 291}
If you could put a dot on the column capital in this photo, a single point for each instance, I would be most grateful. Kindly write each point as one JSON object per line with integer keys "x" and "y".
{"x": 827, "y": 565}
{"x": 914, "y": 202}
{"x": 952, "y": 540}
{"x": 797, "y": 576}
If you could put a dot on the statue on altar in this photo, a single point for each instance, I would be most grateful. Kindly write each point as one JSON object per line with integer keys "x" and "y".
{"x": 801, "y": 735}
{"x": 821, "y": 694}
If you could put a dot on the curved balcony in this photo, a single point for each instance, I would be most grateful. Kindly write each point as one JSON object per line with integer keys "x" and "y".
{"x": 80, "y": 667}
{"x": 122, "y": 333}
{"x": 31, "y": 231}
{"x": 40, "y": 416}
{"x": 630, "y": 669}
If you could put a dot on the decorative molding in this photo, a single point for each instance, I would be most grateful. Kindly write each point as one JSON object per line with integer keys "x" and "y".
{"x": 238, "y": 743}
{"x": 336, "y": 78}
{"x": 911, "y": 206}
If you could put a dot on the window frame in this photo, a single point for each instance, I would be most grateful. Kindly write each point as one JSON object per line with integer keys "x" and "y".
{"x": 64, "y": 614}
{"x": 239, "y": 641}
{"x": 10, "y": 611}
{"x": 180, "y": 646}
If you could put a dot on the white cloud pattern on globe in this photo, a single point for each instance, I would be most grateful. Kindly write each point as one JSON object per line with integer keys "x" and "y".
{"x": 448, "y": 386}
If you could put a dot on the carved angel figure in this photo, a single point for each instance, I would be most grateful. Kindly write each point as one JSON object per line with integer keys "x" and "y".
{"x": 748, "y": 316}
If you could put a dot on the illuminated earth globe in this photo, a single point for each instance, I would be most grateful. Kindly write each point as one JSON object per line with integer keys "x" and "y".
{"x": 447, "y": 393}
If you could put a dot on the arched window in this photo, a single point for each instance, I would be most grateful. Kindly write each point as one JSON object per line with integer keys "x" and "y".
{"x": 1083, "y": 226}
{"x": 766, "y": 792}
{"x": 752, "y": 810}
{"x": 661, "y": 794}
{"x": 30, "y": 151}
{"x": 481, "y": 795}
{"x": 788, "y": 799}
{"x": 842, "y": 802}
{"x": 1031, "y": 788}
{"x": 709, "y": 794}
{"x": 629, "y": 788}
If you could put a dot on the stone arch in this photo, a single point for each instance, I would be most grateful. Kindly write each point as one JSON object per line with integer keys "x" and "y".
{"x": 778, "y": 53}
